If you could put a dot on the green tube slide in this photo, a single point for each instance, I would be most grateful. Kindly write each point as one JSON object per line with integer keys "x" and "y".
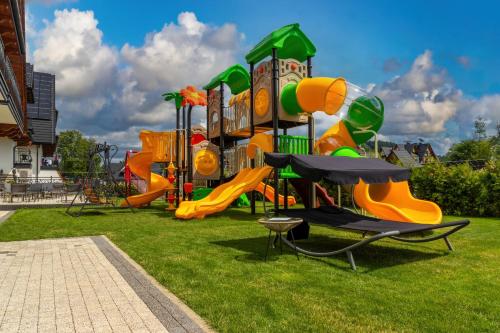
{"x": 365, "y": 113}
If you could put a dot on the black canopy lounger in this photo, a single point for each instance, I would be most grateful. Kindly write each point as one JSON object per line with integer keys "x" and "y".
{"x": 345, "y": 170}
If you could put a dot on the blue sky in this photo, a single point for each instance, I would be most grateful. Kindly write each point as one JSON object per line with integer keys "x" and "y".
{"x": 363, "y": 41}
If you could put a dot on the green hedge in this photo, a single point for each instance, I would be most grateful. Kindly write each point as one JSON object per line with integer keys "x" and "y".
{"x": 459, "y": 190}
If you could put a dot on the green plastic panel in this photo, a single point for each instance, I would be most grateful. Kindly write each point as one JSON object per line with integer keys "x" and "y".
{"x": 290, "y": 42}
{"x": 176, "y": 96}
{"x": 292, "y": 144}
{"x": 236, "y": 77}
{"x": 242, "y": 201}
{"x": 201, "y": 192}
{"x": 346, "y": 151}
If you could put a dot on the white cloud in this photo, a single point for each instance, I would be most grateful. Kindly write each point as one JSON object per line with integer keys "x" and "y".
{"x": 421, "y": 101}
{"x": 424, "y": 103}
{"x": 71, "y": 47}
{"x": 189, "y": 52}
{"x": 113, "y": 94}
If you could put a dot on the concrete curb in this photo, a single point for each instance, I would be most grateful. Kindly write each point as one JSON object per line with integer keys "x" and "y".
{"x": 163, "y": 303}
{"x": 6, "y": 216}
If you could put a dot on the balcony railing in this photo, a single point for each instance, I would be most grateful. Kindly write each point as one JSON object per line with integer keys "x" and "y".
{"x": 22, "y": 157}
{"x": 8, "y": 74}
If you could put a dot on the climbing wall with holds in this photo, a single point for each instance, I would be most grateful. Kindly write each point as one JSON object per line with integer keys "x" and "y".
{"x": 290, "y": 73}
{"x": 205, "y": 161}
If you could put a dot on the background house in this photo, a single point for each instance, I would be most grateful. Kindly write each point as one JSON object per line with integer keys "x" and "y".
{"x": 409, "y": 155}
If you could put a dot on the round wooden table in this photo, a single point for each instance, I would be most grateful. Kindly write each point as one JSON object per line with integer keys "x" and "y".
{"x": 280, "y": 225}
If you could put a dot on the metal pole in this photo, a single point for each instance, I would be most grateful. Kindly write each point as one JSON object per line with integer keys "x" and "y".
{"x": 208, "y": 128}
{"x": 37, "y": 162}
{"x": 208, "y": 116}
{"x": 221, "y": 136}
{"x": 252, "y": 133}
{"x": 275, "y": 82}
{"x": 177, "y": 151}
{"x": 375, "y": 137}
{"x": 184, "y": 150}
{"x": 310, "y": 135}
{"x": 189, "y": 147}
{"x": 285, "y": 182}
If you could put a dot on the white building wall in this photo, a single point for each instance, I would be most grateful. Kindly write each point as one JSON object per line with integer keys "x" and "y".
{"x": 35, "y": 165}
{"x": 6, "y": 151}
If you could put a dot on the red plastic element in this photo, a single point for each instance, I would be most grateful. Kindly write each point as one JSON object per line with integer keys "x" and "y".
{"x": 197, "y": 138}
{"x": 293, "y": 66}
{"x": 188, "y": 187}
{"x": 302, "y": 188}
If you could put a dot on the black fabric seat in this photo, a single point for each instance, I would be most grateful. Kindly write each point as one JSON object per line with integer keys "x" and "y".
{"x": 343, "y": 219}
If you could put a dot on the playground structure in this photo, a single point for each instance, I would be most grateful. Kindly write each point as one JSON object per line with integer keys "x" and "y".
{"x": 276, "y": 94}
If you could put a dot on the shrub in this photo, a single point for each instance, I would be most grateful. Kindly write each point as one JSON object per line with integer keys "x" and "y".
{"x": 459, "y": 190}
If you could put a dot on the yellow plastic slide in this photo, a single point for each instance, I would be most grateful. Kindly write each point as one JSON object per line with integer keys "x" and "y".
{"x": 270, "y": 195}
{"x": 140, "y": 165}
{"x": 222, "y": 196}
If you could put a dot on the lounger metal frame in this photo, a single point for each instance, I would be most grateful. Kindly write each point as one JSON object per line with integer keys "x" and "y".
{"x": 457, "y": 225}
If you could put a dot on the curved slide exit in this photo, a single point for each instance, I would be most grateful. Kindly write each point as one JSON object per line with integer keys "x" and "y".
{"x": 269, "y": 193}
{"x": 222, "y": 196}
{"x": 140, "y": 165}
{"x": 392, "y": 200}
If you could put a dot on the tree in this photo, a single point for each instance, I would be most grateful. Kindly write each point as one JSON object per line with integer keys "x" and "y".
{"x": 471, "y": 150}
{"x": 73, "y": 148}
{"x": 480, "y": 128}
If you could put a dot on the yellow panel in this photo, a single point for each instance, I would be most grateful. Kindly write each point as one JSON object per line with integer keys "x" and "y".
{"x": 262, "y": 101}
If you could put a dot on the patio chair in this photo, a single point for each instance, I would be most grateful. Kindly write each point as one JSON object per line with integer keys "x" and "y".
{"x": 46, "y": 189}
{"x": 18, "y": 190}
{"x": 34, "y": 191}
{"x": 57, "y": 190}
{"x": 72, "y": 189}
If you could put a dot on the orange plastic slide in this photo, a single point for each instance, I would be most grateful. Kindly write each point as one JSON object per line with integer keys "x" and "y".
{"x": 222, "y": 196}
{"x": 394, "y": 201}
{"x": 270, "y": 195}
{"x": 140, "y": 165}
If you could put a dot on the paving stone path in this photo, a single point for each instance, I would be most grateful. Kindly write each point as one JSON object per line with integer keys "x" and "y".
{"x": 83, "y": 285}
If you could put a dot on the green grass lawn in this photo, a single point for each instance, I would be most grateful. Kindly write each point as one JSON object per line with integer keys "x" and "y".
{"x": 216, "y": 266}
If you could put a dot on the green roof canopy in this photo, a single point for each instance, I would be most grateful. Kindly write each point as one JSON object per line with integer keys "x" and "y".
{"x": 290, "y": 42}
{"x": 236, "y": 77}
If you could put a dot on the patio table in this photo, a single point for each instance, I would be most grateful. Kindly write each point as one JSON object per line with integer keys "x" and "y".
{"x": 280, "y": 225}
